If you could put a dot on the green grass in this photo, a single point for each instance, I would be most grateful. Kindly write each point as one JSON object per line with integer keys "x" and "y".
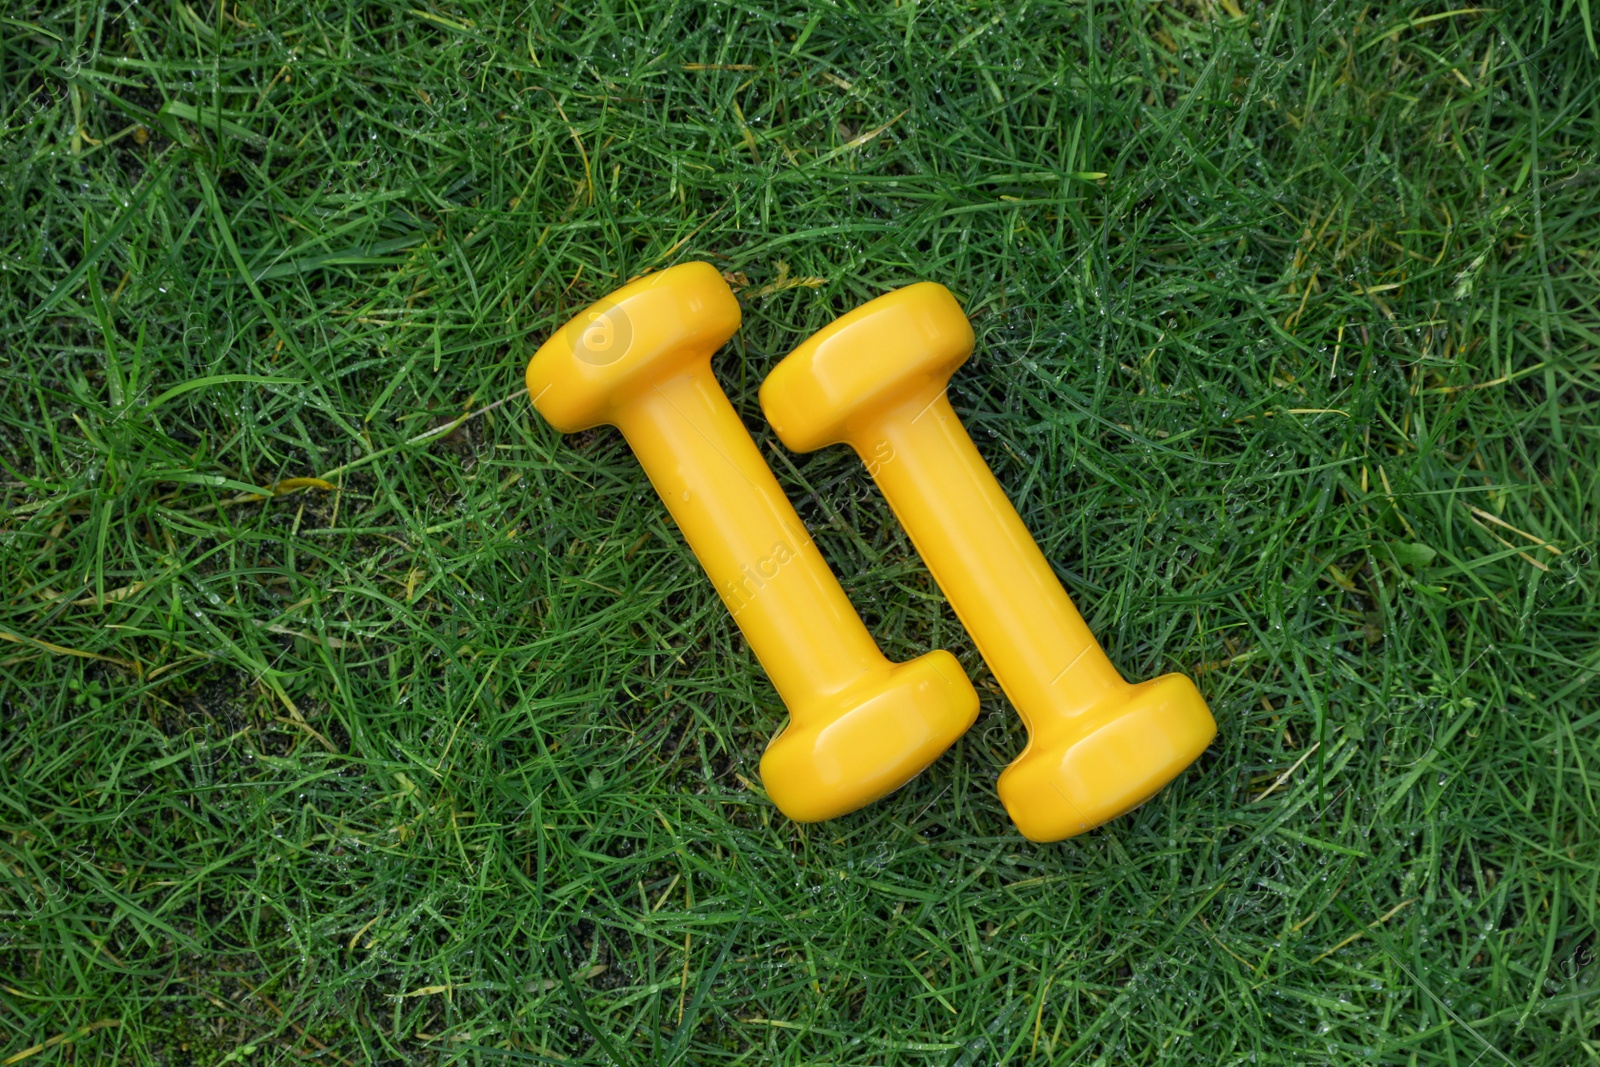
{"x": 1287, "y": 353}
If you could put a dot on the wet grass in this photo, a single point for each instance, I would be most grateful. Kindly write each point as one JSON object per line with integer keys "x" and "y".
{"x": 350, "y": 714}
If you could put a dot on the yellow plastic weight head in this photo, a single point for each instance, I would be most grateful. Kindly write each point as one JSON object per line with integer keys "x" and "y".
{"x": 876, "y": 380}
{"x": 859, "y": 726}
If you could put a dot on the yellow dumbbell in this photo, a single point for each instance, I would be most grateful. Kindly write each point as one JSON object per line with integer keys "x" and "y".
{"x": 876, "y": 380}
{"x": 859, "y": 726}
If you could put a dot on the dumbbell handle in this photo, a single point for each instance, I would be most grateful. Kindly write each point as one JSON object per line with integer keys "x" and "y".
{"x": 1001, "y": 587}
{"x": 747, "y": 536}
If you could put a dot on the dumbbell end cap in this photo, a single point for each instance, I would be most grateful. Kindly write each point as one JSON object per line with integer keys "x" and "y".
{"x": 1128, "y": 754}
{"x": 904, "y": 344}
{"x": 889, "y": 732}
{"x": 628, "y": 341}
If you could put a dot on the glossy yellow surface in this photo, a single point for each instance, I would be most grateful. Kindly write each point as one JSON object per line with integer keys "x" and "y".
{"x": 859, "y": 726}
{"x": 875, "y": 379}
